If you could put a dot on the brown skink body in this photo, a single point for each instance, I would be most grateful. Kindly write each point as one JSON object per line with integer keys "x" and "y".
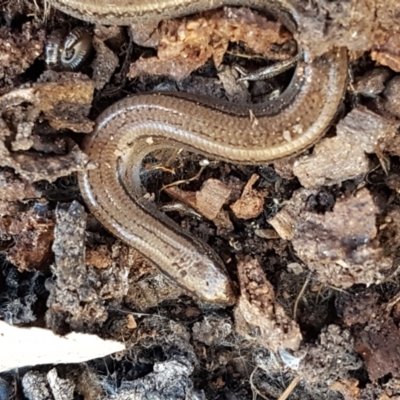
{"x": 247, "y": 134}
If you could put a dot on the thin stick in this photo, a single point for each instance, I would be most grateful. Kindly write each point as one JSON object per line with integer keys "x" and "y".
{"x": 289, "y": 389}
{"x": 392, "y": 302}
{"x": 296, "y": 303}
{"x": 253, "y": 387}
{"x": 176, "y": 183}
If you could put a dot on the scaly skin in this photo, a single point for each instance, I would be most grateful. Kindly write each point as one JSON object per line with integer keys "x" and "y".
{"x": 247, "y": 134}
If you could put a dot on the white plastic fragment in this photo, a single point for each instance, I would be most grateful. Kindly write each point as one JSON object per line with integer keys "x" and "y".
{"x": 21, "y": 347}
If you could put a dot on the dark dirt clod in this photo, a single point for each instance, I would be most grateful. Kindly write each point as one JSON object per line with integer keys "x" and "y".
{"x": 212, "y": 331}
{"x": 170, "y": 380}
{"x": 79, "y": 292}
{"x": 372, "y": 83}
{"x": 18, "y": 51}
{"x": 32, "y": 235}
{"x": 378, "y": 344}
{"x": 375, "y": 332}
{"x": 331, "y": 358}
{"x": 392, "y": 94}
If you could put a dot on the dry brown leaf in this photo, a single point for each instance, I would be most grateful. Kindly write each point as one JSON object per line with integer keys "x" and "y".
{"x": 186, "y": 44}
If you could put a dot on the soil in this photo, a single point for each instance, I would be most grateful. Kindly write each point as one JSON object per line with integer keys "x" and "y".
{"x": 311, "y": 243}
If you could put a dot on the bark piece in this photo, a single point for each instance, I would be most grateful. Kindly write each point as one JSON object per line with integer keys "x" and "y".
{"x": 285, "y": 220}
{"x": 223, "y": 222}
{"x": 79, "y": 293}
{"x": 341, "y": 245}
{"x": 366, "y": 128}
{"x": 357, "y": 134}
{"x": 105, "y": 62}
{"x": 258, "y": 316}
{"x": 346, "y": 161}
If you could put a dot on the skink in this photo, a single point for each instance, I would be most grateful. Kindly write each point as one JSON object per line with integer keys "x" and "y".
{"x": 249, "y": 134}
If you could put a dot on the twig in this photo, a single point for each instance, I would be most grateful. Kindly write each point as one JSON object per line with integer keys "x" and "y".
{"x": 289, "y": 389}
{"x": 300, "y": 295}
{"x": 253, "y": 387}
{"x": 392, "y": 302}
{"x": 337, "y": 289}
{"x": 176, "y": 183}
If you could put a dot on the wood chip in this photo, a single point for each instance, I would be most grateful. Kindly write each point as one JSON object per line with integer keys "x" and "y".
{"x": 251, "y": 203}
{"x": 208, "y": 201}
{"x": 131, "y": 322}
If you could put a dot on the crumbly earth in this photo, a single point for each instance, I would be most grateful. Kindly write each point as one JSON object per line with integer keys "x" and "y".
{"x": 312, "y": 243}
